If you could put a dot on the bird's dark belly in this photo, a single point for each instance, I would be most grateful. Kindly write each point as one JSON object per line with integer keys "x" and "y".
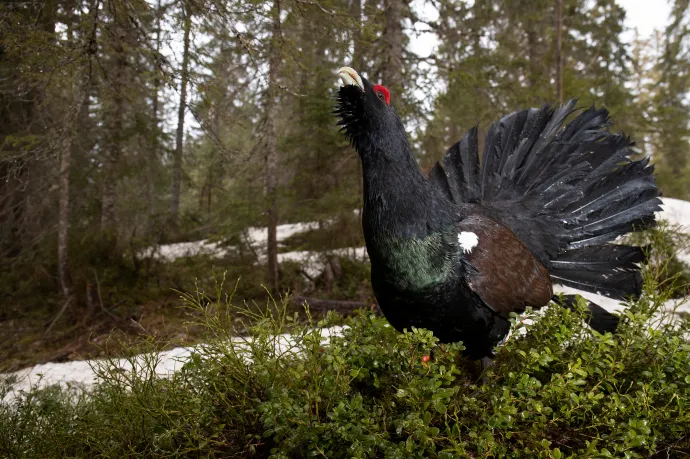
{"x": 452, "y": 312}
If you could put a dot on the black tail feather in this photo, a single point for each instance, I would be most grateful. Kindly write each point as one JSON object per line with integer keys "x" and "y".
{"x": 566, "y": 191}
{"x": 618, "y": 285}
{"x": 610, "y": 269}
{"x": 600, "y": 258}
{"x": 597, "y": 317}
{"x": 461, "y": 166}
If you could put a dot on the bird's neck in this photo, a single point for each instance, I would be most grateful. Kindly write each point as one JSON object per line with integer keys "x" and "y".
{"x": 399, "y": 200}
{"x": 396, "y": 195}
{"x": 408, "y": 227}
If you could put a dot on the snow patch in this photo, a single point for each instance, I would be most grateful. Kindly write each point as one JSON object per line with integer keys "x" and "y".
{"x": 171, "y": 252}
{"x": 677, "y": 213}
{"x": 83, "y": 374}
{"x": 255, "y": 237}
{"x": 314, "y": 263}
{"x": 616, "y": 306}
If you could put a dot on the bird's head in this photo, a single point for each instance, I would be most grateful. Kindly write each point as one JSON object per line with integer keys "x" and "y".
{"x": 367, "y": 116}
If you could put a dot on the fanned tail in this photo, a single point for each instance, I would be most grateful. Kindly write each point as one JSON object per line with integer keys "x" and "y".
{"x": 566, "y": 191}
{"x": 461, "y": 166}
{"x": 611, "y": 270}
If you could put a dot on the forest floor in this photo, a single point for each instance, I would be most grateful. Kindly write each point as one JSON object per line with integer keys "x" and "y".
{"x": 24, "y": 341}
{"x": 151, "y": 307}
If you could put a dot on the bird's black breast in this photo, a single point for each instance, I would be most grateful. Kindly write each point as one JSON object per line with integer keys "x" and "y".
{"x": 451, "y": 310}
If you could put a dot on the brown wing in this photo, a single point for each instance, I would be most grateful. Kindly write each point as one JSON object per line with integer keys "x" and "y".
{"x": 508, "y": 276}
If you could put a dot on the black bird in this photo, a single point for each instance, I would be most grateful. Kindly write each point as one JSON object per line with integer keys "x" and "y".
{"x": 456, "y": 252}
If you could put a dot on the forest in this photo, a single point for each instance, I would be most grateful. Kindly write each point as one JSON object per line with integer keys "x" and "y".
{"x": 129, "y": 125}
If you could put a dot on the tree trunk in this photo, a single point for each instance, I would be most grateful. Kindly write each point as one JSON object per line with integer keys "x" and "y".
{"x": 559, "y": 50}
{"x": 215, "y": 156}
{"x": 179, "y": 136}
{"x": 209, "y": 184}
{"x": 66, "y": 139}
{"x": 206, "y": 193}
{"x": 114, "y": 123}
{"x": 271, "y": 155}
{"x": 532, "y": 52}
{"x": 357, "y": 64}
{"x": 65, "y": 151}
{"x": 63, "y": 219}
{"x": 209, "y": 196}
{"x": 357, "y": 58}
{"x": 19, "y": 115}
{"x": 155, "y": 134}
{"x": 393, "y": 40}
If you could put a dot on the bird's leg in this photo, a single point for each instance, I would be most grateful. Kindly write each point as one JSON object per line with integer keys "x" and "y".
{"x": 486, "y": 363}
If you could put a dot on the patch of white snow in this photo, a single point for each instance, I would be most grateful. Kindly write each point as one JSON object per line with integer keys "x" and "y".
{"x": 83, "y": 374}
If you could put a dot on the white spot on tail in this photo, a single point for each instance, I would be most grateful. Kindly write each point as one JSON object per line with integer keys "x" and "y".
{"x": 468, "y": 241}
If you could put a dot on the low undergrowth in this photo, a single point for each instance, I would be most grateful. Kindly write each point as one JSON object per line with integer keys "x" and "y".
{"x": 559, "y": 390}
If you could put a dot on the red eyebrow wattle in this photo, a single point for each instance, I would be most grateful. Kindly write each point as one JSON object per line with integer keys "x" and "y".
{"x": 383, "y": 90}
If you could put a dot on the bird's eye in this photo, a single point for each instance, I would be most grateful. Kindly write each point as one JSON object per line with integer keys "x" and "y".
{"x": 382, "y": 93}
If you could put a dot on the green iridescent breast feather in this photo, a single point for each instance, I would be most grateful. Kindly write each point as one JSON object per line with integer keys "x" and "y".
{"x": 418, "y": 263}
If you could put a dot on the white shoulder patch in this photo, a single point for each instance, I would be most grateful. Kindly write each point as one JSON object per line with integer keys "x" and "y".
{"x": 468, "y": 241}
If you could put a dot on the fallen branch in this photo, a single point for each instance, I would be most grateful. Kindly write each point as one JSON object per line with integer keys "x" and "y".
{"x": 57, "y": 317}
{"x": 138, "y": 326}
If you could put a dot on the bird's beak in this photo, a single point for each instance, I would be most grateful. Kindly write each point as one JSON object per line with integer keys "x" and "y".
{"x": 350, "y": 77}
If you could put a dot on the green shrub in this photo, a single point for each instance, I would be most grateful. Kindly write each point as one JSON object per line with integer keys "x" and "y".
{"x": 558, "y": 391}
{"x": 665, "y": 242}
